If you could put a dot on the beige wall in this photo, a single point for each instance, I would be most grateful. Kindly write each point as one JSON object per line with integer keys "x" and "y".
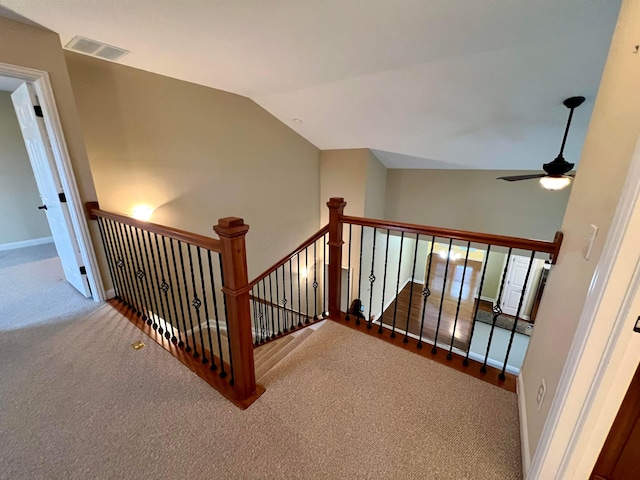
{"x": 343, "y": 173}
{"x": 609, "y": 145}
{"x": 474, "y": 200}
{"x": 376, "y": 186}
{"x": 196, "y": 154}
{"x": 19, "y": 197}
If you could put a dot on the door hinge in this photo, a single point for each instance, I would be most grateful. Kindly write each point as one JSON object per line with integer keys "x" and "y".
{"x": 83, "y": 271}
{"x": 62, "y": 197}
{"x": 38, "y": 110}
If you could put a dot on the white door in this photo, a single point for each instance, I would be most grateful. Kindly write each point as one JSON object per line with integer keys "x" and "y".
{"x": 46, "y": 174}
{"x": 514, "y": 285}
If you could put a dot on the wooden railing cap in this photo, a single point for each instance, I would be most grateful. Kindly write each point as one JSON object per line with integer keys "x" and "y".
{"x": 231, "y": 227}
{"x": 336, "y": 202}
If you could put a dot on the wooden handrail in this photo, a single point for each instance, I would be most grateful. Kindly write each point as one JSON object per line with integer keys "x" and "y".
{"x": 276, "y": 305}
{"x": 475, "y": 237}
{"x": 280, "y": 262}
{"x": 213, "y": 244}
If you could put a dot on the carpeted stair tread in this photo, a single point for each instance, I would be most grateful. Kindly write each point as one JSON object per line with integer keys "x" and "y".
{"x": 274, "y": 359}
{"x": 272, "y": 349}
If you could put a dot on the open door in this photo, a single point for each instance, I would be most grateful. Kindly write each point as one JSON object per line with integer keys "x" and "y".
{"x": 47, "y": 179}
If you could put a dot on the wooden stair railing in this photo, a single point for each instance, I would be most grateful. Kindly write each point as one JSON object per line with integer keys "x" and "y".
{"x": 165, "y": 281}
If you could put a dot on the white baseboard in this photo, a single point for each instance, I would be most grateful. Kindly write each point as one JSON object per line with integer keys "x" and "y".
{"x": 26, "y": 243}
{"x": 487, "y": 299}
{"x": 524, "y": 430}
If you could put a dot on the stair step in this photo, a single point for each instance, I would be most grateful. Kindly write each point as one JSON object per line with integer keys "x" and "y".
{"x": 267, "y": 364}
{"x": 275, "y": 347}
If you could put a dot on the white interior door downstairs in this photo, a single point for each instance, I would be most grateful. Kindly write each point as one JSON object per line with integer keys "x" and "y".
{"x": 515, "y": 284}
{"x": 48, "y": 181}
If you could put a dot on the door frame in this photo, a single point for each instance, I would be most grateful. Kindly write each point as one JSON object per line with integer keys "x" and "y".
{"x": 42, "y": 85}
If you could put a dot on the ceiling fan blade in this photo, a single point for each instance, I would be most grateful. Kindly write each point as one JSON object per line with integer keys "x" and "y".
{"x": 517, "y": 178}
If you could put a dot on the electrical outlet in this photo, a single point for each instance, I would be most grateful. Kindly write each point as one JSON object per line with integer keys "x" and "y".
{"x": 542, "y": 390}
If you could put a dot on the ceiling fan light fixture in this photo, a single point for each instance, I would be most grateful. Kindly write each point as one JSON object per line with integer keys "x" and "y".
{"x": 555, "y": 182}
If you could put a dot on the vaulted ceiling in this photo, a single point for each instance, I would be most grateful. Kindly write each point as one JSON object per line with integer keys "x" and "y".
{"x": 423, "y": 83}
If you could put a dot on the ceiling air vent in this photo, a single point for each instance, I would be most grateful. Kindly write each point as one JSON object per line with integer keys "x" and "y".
{"x": 95, "y": 49}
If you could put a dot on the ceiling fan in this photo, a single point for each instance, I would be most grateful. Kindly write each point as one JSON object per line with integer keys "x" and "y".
{"x": 556, "y": 176}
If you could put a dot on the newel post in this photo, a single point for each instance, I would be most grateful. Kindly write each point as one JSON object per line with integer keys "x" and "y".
{"x": 232, "y": 232}
{"x": 336, "y": 207}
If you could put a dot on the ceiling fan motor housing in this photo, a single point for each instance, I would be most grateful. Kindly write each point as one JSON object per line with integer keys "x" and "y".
{"x": 558, "y": 167}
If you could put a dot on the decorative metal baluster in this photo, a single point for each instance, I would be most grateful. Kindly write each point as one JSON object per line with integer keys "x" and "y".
{"x": 226, "y": 321}
{"x": 164, "y": 288}
{"x": 413, "y": 274}
{"x": 395, "y": 307}
{"x": 176, "y": 327}
{"x": 197, "y": 303}
{"x": 256, "y": 328}
{"x": 325, "y": 312}
{"x": 223, "y": 373}
{"x": 284, "y": 301}
{"x": 515, "y": 320}
{"x": 434, "y": 350}
{"x": 360, "y": 274}
{"x": 277, "y": 302}
{"x": 140, "y": 275}
{"x": 465, "y": 362}
{"x": 157, "y": 283}
{"x": 372, "y": 279}
{"x": 384, "y": 281}
{"x": 299, "y": 302}
{"x": 126, "y": 268}
{"x": 187, "y": 296}
{"x": 181, "y": 343}
{"x": 133, "y": 261}
{"x": 110, "y": 261}
{"x": 143, "y": 275}
{"x": 151, "y": 284}
{"x": 426, "y": 293}
{"x": 265, "y": 310}
{"x": 315, "y": 283}
{"x": 206, "y": 311}
{"x": 273, "y": 315}
{"x": 291, "y": 292}
{"x": 119, "y": 264}
{"x": 496, "y": 312}
{"x": 306, "y": 282}
{"x": 346, "y": 317}
{"x": 455, "y": 321}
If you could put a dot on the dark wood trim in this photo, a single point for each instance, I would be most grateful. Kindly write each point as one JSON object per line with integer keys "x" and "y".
{"x": 93, "y": 212}
{"x": 232, "y": 232}
{"x": 275, "y": 305}
{"x": 282, "y": 261}
{"x": 474, "y": 237}
{"x": 195, "y": 365}
{"x": 492, "y": 375}
{"x": 336, "y": 207}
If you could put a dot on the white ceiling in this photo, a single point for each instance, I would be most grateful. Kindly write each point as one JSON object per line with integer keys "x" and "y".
{"x": 425, "y": 83}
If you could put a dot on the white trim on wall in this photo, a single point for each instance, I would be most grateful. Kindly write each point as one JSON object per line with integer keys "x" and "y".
{"x": 524, "y": 429}
{"x": 42, "y": 85}
{"x": 25, "y": 243}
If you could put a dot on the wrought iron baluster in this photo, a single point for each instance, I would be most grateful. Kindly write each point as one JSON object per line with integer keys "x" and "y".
{"x": 157, "y": 283}
{"x": 291, "y": 292}
{"x": 110, "y": 261}
{"x": 277, "y": 302}
{"x": 413, "y": 274}
{"x": 128, "y": 269}
{"x": 306, "y": 282}
{"x": 434, "y": 350}
{"x": 181, "y": 247}
{"x": 315, "y": 283}
{"x": 346, "y": 317}
{"x": 515, "y": 320}
{"x": 455, "y": 321}
{"x": 223, "y": 373}
{"x": 372, "y": 278}
{"x": 176, "y": 327}
{"x": 164, "y": 288}
{"x": 325, "y": 312}
{"x": 496, "y": 312}
{"x": 267, "y": 329}
{"x": 284, "y": 301}
{"x": 395, "y": 307}
{"x": 181, "y": 343}
{"x": 124, "y": 288}
{"x": 384, "y": 281}
{"x": 133, "y": 261}
{"x": 256, "y": 328}
{"x": 206, "y": 310}
{"x": 299, "y": 301}
{"x": 140, "y": 275}
{"x": 426, "y": 293}
{"x": 273, "y": 315}
{"x": 465, "y": 362}
{"x": 359, "y": 314}
{"x": 226, "y": 321}
{"x": 197, "y": 303}
{"x": 150, "y": 283}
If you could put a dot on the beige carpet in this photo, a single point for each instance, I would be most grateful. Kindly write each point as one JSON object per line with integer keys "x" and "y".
{"x": 77, "y": 402}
